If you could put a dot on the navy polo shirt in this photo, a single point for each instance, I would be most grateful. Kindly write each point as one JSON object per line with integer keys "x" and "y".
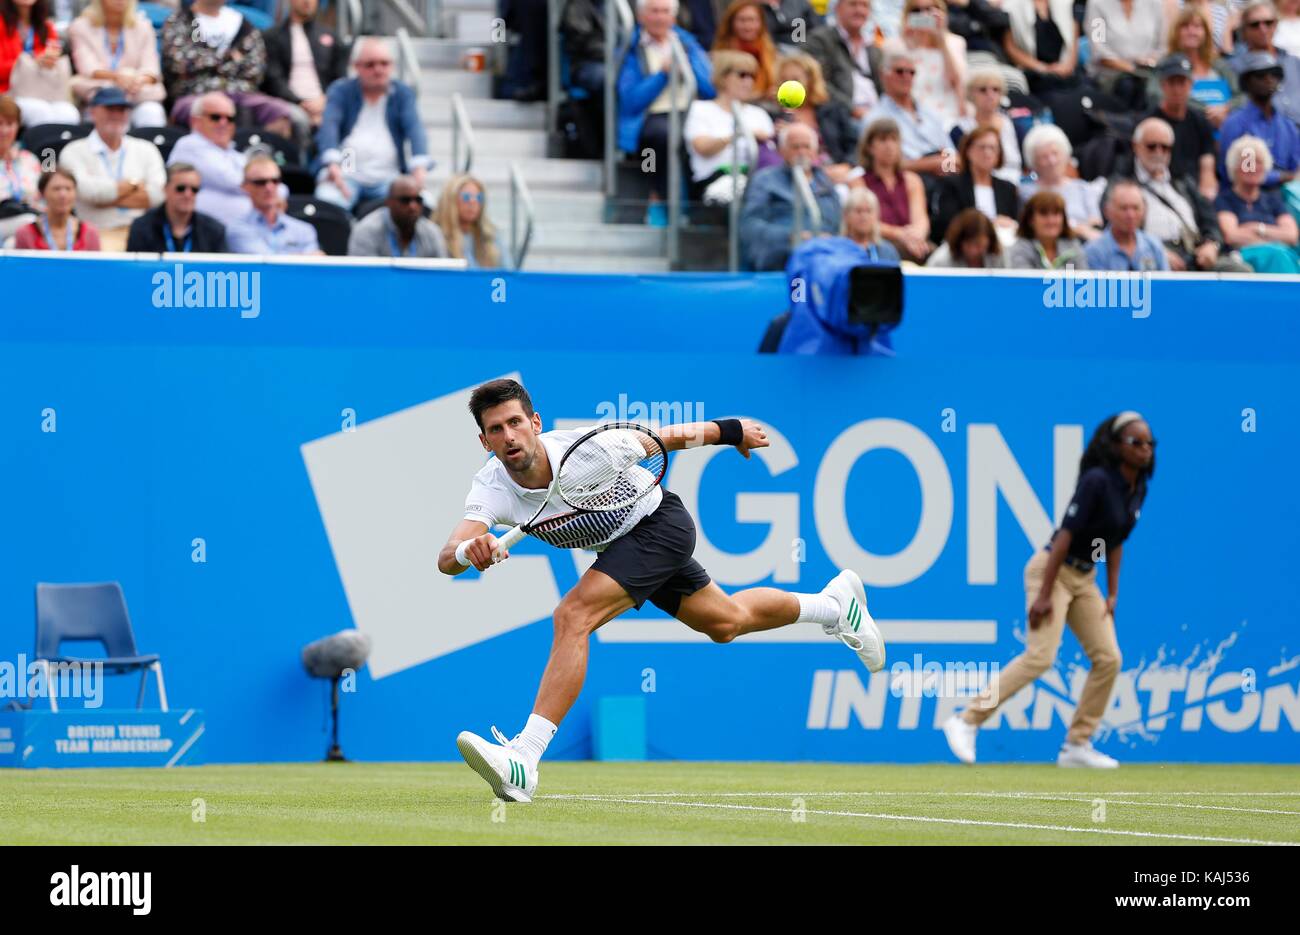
{"x": 1103, "y": 507}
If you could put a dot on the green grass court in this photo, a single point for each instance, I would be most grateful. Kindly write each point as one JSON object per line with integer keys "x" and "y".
{"x": 656, "y": 803}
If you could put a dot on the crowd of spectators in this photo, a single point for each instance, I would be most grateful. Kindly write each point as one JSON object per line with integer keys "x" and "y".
{"x": 250, "y": 111}
{"x": 1034, "y": 115}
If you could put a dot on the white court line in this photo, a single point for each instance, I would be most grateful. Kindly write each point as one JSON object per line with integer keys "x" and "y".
{"x": 1084, "y": 797}
{"x": 927, "y": 819}
{"x": 1091, "y": 792}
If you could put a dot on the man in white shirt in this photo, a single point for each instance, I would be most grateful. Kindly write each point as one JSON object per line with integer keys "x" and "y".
{"x": 210, "y": 148}
{"x": 647, "y": 557}
{"x": 118, "y": 177}
{"x": 367, "y": 123}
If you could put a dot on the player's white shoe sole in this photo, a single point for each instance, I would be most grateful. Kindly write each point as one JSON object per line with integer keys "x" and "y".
{"x": 855, "y": 628}
{"x": 508, "y": 773}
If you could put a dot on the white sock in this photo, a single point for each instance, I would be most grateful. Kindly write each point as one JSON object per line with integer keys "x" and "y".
{"x": 818, "y": 608}
{"x": 534, "y": 738}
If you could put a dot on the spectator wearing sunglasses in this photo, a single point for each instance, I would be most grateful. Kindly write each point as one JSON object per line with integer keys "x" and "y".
{"x": 462, "y": 216}
{"x": 266, "y": 229}
{"x": 1259, "y": 22}
{"x": 1177, "y": 214}
{"x": 710, "y": 127}
{"x": 210, "y": 148}
{"x": 368, "y": 122}
{"x": 399, "y": 229}
{"x": 1262, "y": 116}
{"x": 923, "y": 133}
{"x": 175, "y": 226}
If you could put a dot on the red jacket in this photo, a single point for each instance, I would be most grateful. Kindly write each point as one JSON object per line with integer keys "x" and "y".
{"x": 11, "y": 46}
{"x": 32, "y": 237}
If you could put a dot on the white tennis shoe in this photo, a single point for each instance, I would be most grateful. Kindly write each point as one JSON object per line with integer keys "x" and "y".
{"x": 506, "y": 770}
{"x": 855, "y": 628}
{"x": 1084, "y": 755}
{"x": 960, "y": 737}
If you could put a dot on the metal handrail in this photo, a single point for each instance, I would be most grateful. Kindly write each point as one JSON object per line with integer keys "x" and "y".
{"x": 679, "y": 72}
{"x": 350, "y": 18}
{"x": 552, "y": 64}
{"x": 433, "y": 18}
{"x": 733, "y": 210}
{"x": 805, "y": 200}
{"x": 519, "y": 194}
{"x": 461, "y": 127}
{"x": 410, "y": 18}
{"x": 622, "y": 19}
{"x": 408, "y": 63}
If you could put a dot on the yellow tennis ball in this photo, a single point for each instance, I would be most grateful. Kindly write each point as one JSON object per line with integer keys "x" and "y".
{"x": 790, "y": 94}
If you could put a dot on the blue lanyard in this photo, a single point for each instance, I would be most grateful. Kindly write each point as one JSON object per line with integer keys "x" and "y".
{"x": 29, "y": 41}
{"x": 171, "y": 240}
{"x": 115, "y": 53}
{"x": 49, "y": 237}
{"x": 873, "y": 254}
{"x": 397, "y": 251}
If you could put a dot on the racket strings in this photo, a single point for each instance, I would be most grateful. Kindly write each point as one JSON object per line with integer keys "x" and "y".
{"x": 610, "y": 470}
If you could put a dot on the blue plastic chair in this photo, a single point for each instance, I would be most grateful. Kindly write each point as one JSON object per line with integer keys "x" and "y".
{"x": 91, "y": 612}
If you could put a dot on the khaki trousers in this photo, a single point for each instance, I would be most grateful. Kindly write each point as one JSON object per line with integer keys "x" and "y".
{"x": 1076, "y": 598}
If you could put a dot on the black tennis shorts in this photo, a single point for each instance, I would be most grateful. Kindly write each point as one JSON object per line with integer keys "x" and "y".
{"x": 653, "y": 561}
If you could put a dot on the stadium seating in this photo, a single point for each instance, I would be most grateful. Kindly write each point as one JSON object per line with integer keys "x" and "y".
{"x": 332, "y": 223}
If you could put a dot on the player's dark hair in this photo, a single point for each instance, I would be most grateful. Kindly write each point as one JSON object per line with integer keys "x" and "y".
{"x": 494, "y": 393}
{"x": 1103, "y": 450}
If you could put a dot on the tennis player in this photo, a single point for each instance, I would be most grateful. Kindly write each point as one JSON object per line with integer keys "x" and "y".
{"x": 651, "y": 561}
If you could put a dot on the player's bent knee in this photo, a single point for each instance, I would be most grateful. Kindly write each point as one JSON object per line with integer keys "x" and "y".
{"x": 572, "y": 622}
{"x": 723, "y": 632}
{"x": 1107, "y": 661}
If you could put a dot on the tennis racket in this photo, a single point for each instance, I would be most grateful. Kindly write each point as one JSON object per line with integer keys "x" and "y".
{"x": 601, "y": 477}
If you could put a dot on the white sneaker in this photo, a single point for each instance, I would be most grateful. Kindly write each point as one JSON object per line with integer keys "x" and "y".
{"x": 1084, "y": 755}
{"x": 960, "y": 737}
{"x": 855, "y": 628}
{"x": 506, "y": 770}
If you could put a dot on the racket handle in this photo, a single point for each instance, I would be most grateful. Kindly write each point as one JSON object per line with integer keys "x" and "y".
{"x": 504, "y": 543}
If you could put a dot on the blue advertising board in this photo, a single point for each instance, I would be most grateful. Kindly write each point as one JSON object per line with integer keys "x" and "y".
{"x": 257, "y": 482}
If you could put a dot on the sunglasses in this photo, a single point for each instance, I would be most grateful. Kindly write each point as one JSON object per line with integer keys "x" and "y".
{"x": 904, "y": 71}
{"x": 1261, "y": 24}
{"x": 407, "y": 199}
{"x": 185, "y": 189}
{"x": 743, "y": 74}
{"x": 1140, "y": 442}
{"x": 221, "y": 118}
{"x": 376, "y": 63}
{"x": 467, "y": 197}
{"x": 262, "y": 182}
{"x": 1157, "y": 147}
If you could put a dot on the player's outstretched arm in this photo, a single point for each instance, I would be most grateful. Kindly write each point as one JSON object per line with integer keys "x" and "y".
{"x": 696, "y": 434}
{"x": 480, "y": 553}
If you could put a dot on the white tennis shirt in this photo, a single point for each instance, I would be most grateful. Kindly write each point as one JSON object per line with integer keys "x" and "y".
{"x": 496, "y": 500}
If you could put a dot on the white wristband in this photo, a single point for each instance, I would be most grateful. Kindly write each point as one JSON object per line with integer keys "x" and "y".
{"x": 460, "y": 552}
